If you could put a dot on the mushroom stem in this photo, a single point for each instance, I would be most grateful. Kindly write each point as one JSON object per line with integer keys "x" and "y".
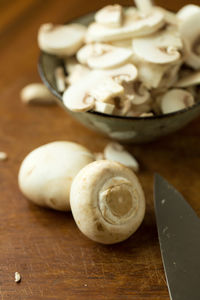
{"x": 145, "y": 6}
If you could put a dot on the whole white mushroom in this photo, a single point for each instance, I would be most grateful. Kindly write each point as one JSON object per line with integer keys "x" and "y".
{"x": 107, "y": 202}
{"x": 46, "y": 174}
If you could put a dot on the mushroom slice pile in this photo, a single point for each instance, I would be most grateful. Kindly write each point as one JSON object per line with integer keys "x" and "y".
{"x": 61, "y": 40}
{"x": 116, "y": 152}
{"x": 189, "y": 80}
{"x": 133, "y": 26}
{"x": 110, "y": 16}
{"x": 190, "y": 33}
{"x": 107, "y": 202}
{"x": 161, "y": 48}
{"x": 103, "y": 56}
{"x": 176, "y": 99}
{"x": 96, "y": 86}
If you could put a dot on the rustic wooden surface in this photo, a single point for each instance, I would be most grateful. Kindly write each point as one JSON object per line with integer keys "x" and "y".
{"x": 55, "y": 260}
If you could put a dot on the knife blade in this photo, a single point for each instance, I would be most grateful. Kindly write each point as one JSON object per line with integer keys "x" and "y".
{"x": 179, "y": 236}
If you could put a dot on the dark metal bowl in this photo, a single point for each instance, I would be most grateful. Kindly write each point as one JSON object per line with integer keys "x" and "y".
{"x": 125, "y": 129}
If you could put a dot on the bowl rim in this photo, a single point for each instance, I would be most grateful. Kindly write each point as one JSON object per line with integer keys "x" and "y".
{"x": 59, "y": 95}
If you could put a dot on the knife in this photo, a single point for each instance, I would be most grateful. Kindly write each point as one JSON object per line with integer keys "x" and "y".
{"x": 179, "y": 237}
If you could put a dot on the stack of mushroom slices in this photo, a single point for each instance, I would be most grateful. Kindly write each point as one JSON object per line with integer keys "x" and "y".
{"x": 137, "y": 61}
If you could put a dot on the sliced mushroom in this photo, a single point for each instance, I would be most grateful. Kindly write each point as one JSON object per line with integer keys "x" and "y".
{"x": 123, "y": 44}
{"x": 110, "y": 16}
{"x": 37, "y": 93}
{"x": 176, "y": 99}
{"x": 46, "y": 174}
{"x": 137, "y": 93}
{"x": 133, "y": 26}
{"x": 103, "y": 107}
{"x": 70, "y": 64}
{"x": 145, "y": 6}
{"x": 170, "y": 17}
{"x": 103, "y": 56}
{"x": 61, "y": 40}
{"x": 77, "y": 73}
{"x": 99, "y": 156}
{"x": 161, "y": 48}
{"x": 190, "y": 32}
{"x": 107, "y": 202}
{"x": 187, "y": 11}
{"x": 116, "y": 152}
{"x": 127, "y": 73}
{"x": 95, "y": 86}
{"x": 189, "y": 80}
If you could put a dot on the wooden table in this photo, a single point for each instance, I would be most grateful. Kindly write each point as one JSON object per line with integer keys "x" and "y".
{"x": 55, "y": 260}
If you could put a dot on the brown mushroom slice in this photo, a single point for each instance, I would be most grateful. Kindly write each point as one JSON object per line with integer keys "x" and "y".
{"x": 95, "y": 86}
{"x": 190, "y": 33}
{"x": 110, "y": 15}
{"x": 187, "y": 11}
{"x": 103, "y": 56}
{"x": 139, "y": 25}
{"x": 61, "y": 40}
{"x": 107, "y": 202}
{"x": 116, "y": 152}
{"x": 189, "y": 80}
{"x": 161, "y": 48}
{"x": 175, "y": 100}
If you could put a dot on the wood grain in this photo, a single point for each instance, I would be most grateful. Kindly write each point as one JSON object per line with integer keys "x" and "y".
{"x": 54, "y": 259}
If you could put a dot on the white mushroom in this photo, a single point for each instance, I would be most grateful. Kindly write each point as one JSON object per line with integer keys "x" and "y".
{"x": 187, "y": 11}
{"x": 103, "y": 56}
{"x": 60, "y": 79}
{"x": 61, "y": 40}
{"x": 107, "y": 202}
{"x": 189, "y": 80}
{"x": 127, "y": 73}
{"x": 116, "y": 152}
{"x": 123, "y": 44}
{"x": 99, "y": 156}
{"x": 145, "y": 6}
{"x": 137, "y": 93}
{"x": 103, "y": 107}
{"x": 46, "y": 174}
{"x": 3, "y": 156}
{"x": 190, "y": 33}
{"x": 95, "y": 86}
{"x": 170, "y": 17}
{"x": 78, "y": 72}
{"x": 161, "y": 48}
{"x": 176, "y": 99}
{"x": 110, "y": 16}
{"x": 134, "y": 25}
{"x": 37, "y": 93}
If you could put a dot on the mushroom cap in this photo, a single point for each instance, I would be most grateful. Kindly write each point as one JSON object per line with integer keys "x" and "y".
{"x": 46, "y": 174}
{"x": 126, "y": 73}
{"x": 132, "y": 27}
{"x": 103, "y": 56}
{"x": 107, "y": 202}
{"x": 61, "y": 39}
{"x": 187, "y": 11}
{"x": 190, "y": 33}
{"x": 176, "y": 99}
{"x": 160, "y": 48}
